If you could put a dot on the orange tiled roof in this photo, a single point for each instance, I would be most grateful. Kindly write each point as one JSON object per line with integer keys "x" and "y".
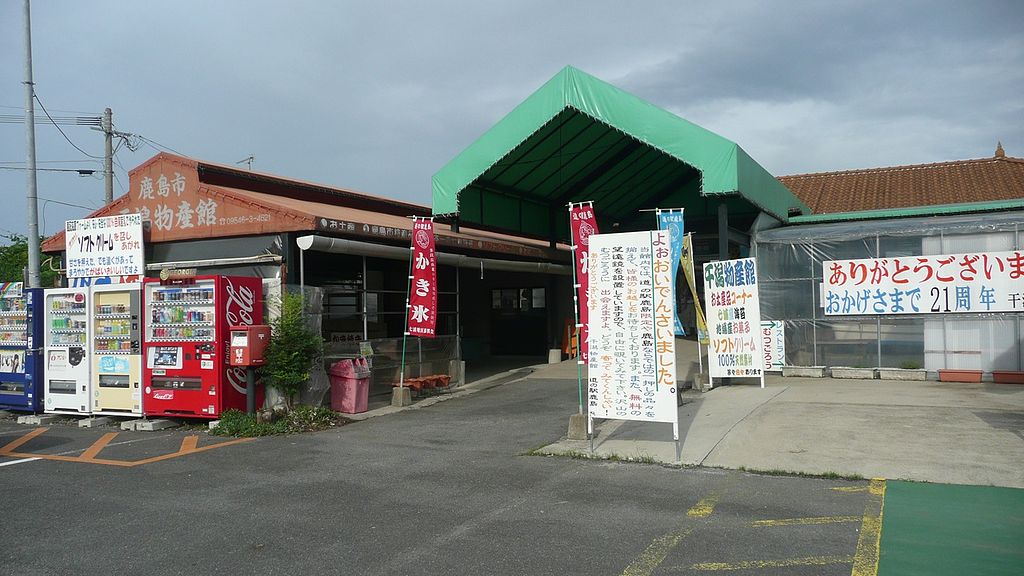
{"x": 982, "y": 180}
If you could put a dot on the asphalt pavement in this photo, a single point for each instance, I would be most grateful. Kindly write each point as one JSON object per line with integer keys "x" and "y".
{"x": 459, "y": 485}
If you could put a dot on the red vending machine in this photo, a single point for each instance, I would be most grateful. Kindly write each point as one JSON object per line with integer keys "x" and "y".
{"x": 186, "y": 344}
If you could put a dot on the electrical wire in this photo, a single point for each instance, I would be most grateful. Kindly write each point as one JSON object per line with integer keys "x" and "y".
{"x": 81, "y": 172}
{"x": 22, "y": 108}
{"x": 61, "y": 131}
{"x": 22, "y": 162}
{"x": 62, "y": 203}
{"x": 66, "y": 120}
{"x": 153, "y": 144}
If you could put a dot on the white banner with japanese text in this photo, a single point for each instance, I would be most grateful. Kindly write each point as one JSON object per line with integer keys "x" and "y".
{"x": 949, "y": 283}
{"x": 632, "y": 371}
{"x": 734, "y": 319}
{"x": 106, "y": 246}
{"x": 773, "y": 337}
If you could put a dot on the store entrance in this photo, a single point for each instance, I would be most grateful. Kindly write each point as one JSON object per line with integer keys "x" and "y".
{"x": 519, "y": 321}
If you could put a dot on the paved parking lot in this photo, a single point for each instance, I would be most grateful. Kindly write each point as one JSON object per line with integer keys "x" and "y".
{"x": 454, "y": 488}
{"x": 104, "y": 446}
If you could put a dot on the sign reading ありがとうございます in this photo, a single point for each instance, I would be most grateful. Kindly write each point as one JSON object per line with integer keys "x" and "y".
{"x": 735, "y": 347}
{"x": 942, "y": 284}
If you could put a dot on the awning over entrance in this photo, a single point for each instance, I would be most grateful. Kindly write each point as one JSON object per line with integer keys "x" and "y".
{"x": 578, "y": 139}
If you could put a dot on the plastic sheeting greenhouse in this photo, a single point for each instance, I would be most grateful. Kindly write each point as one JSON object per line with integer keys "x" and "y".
{"x": 790, "y": 263}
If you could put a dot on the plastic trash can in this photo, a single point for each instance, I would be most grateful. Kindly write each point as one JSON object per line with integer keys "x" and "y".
{"x": 349, "y": 393}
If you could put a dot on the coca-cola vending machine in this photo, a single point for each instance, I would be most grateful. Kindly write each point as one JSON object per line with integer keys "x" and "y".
{"x": 185, "y": 349}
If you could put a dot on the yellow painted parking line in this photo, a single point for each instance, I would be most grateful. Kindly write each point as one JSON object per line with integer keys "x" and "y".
{"x": 852, "y": 489}
{"x": 98, "y": 445}
{"x": 806, "y": 521}
{"x": 189, "y": 445}
{"x": 865, "y": 561}
{"x": 704, "y": 507}
{"x": 655, "y": 554}
{"x": 14, "y": 445}
{"x": 756, "y": 564}
{"x": 657, "y": 551}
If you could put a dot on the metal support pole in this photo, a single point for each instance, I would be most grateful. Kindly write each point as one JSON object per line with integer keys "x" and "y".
{"x": 108, "y": 157}
{"x": 30, "y": 157}
{"x": 366, "y": 310}
{"x": 250, "y": 390}
{"x": 573, "y": 248}
{"x": 405, "y": 333}
{"x": 723, "y": 232}
{"x": 302, "y": 271}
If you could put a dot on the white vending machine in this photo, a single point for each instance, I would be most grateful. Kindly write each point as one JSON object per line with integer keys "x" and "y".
{"x": 68, "y": 353}
{"x": 117, "y": 349}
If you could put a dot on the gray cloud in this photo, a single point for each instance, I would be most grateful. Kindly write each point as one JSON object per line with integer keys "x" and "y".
{"x": 378, "y": 96}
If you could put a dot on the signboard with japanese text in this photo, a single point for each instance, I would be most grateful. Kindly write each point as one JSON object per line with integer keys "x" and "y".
{"x": 422, "y": 313}
{"x": 632, "y": 371}
{"x": 166, "y": 191}
{"x": 773, "y": 338}
{"x": 106, "y": 246}
{"x": 582, "y": 225}
{"x": 734, "y": 319}
{"x": 950, "y": 283}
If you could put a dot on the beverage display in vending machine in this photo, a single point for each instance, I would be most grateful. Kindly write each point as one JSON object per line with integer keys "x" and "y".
{"x": 67, "y": 353}
{"x": 21, "y": 328}
{"x": 185, "y": 345}
{"x": 117, "y": 349}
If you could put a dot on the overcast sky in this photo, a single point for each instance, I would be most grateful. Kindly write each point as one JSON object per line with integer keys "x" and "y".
{"x": 378, "y": 96}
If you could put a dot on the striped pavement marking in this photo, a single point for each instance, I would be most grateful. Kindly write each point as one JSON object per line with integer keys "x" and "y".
{"x": 189, "y": 445}
{"x": 758, "y": 564}
{"x": 865, "y": 560}
{"x": 806, "y": 521}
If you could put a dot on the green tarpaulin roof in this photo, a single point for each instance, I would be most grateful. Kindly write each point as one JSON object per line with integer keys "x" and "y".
{"x": 578, "y": 139}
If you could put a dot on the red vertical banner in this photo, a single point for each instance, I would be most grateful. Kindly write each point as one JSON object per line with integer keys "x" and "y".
{"x": 422, "y": 314}
{"x": 582, "y": 223}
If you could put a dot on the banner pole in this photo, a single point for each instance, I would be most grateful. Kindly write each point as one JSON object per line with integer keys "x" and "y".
{"x": 408, "y": 287}
{"x": 576, "y": 315}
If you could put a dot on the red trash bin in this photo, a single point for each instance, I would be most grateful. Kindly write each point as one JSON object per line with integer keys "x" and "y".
{"x": 349, "y": 394}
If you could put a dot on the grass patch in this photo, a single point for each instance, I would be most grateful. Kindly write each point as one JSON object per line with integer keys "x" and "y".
{"x": 826, "y": 475}
{"x": 300, "y": 419}
{"x": 578, "y": 455}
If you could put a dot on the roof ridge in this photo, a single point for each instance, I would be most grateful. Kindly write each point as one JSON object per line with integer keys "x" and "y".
{"x": 906, "y": 167}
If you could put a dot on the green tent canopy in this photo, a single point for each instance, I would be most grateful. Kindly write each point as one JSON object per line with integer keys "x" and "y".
{"x": 578, "y": 139}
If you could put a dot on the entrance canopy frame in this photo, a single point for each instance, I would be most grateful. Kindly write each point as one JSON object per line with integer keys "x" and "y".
{"x": 579, "y": 138}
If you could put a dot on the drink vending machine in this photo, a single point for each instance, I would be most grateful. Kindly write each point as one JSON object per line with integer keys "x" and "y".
{"x": 21, "y": 331}
{"x": 67, "y": 383}
{"x": 117, "y": 349}
{"x": 186, "y": 370}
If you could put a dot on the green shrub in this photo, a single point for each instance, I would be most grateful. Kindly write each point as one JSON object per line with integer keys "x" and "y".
{"x": 299, "y": 419}
{"x": 294, "y": 348}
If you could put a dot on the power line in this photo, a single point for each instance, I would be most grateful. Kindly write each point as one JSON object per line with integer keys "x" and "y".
{"x": 153, "y": 144}
{"x": 22, "y": 108}
{"x": 65, "y": 120}
{"x": 36, "y": 96}
{"x": 61, "y": 202}
{"x": 81, "y": 171}
{"x": 22, "y": 162}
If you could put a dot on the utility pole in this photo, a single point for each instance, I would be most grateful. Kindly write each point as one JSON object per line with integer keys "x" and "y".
{"x": 108, "y": 157}
{"x": 30, "y": 160}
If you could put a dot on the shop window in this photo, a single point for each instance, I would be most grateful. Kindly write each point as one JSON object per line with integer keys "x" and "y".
{"x": 518, "y": 299}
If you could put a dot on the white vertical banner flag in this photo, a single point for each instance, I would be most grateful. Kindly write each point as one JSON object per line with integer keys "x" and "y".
{"x": 632, "y": 371}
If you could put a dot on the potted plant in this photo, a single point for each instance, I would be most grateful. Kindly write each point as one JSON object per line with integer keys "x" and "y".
{"x": 293, "y": 350}
{"x": 1008, "y": 377}
{"x": 959, "y": 375}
